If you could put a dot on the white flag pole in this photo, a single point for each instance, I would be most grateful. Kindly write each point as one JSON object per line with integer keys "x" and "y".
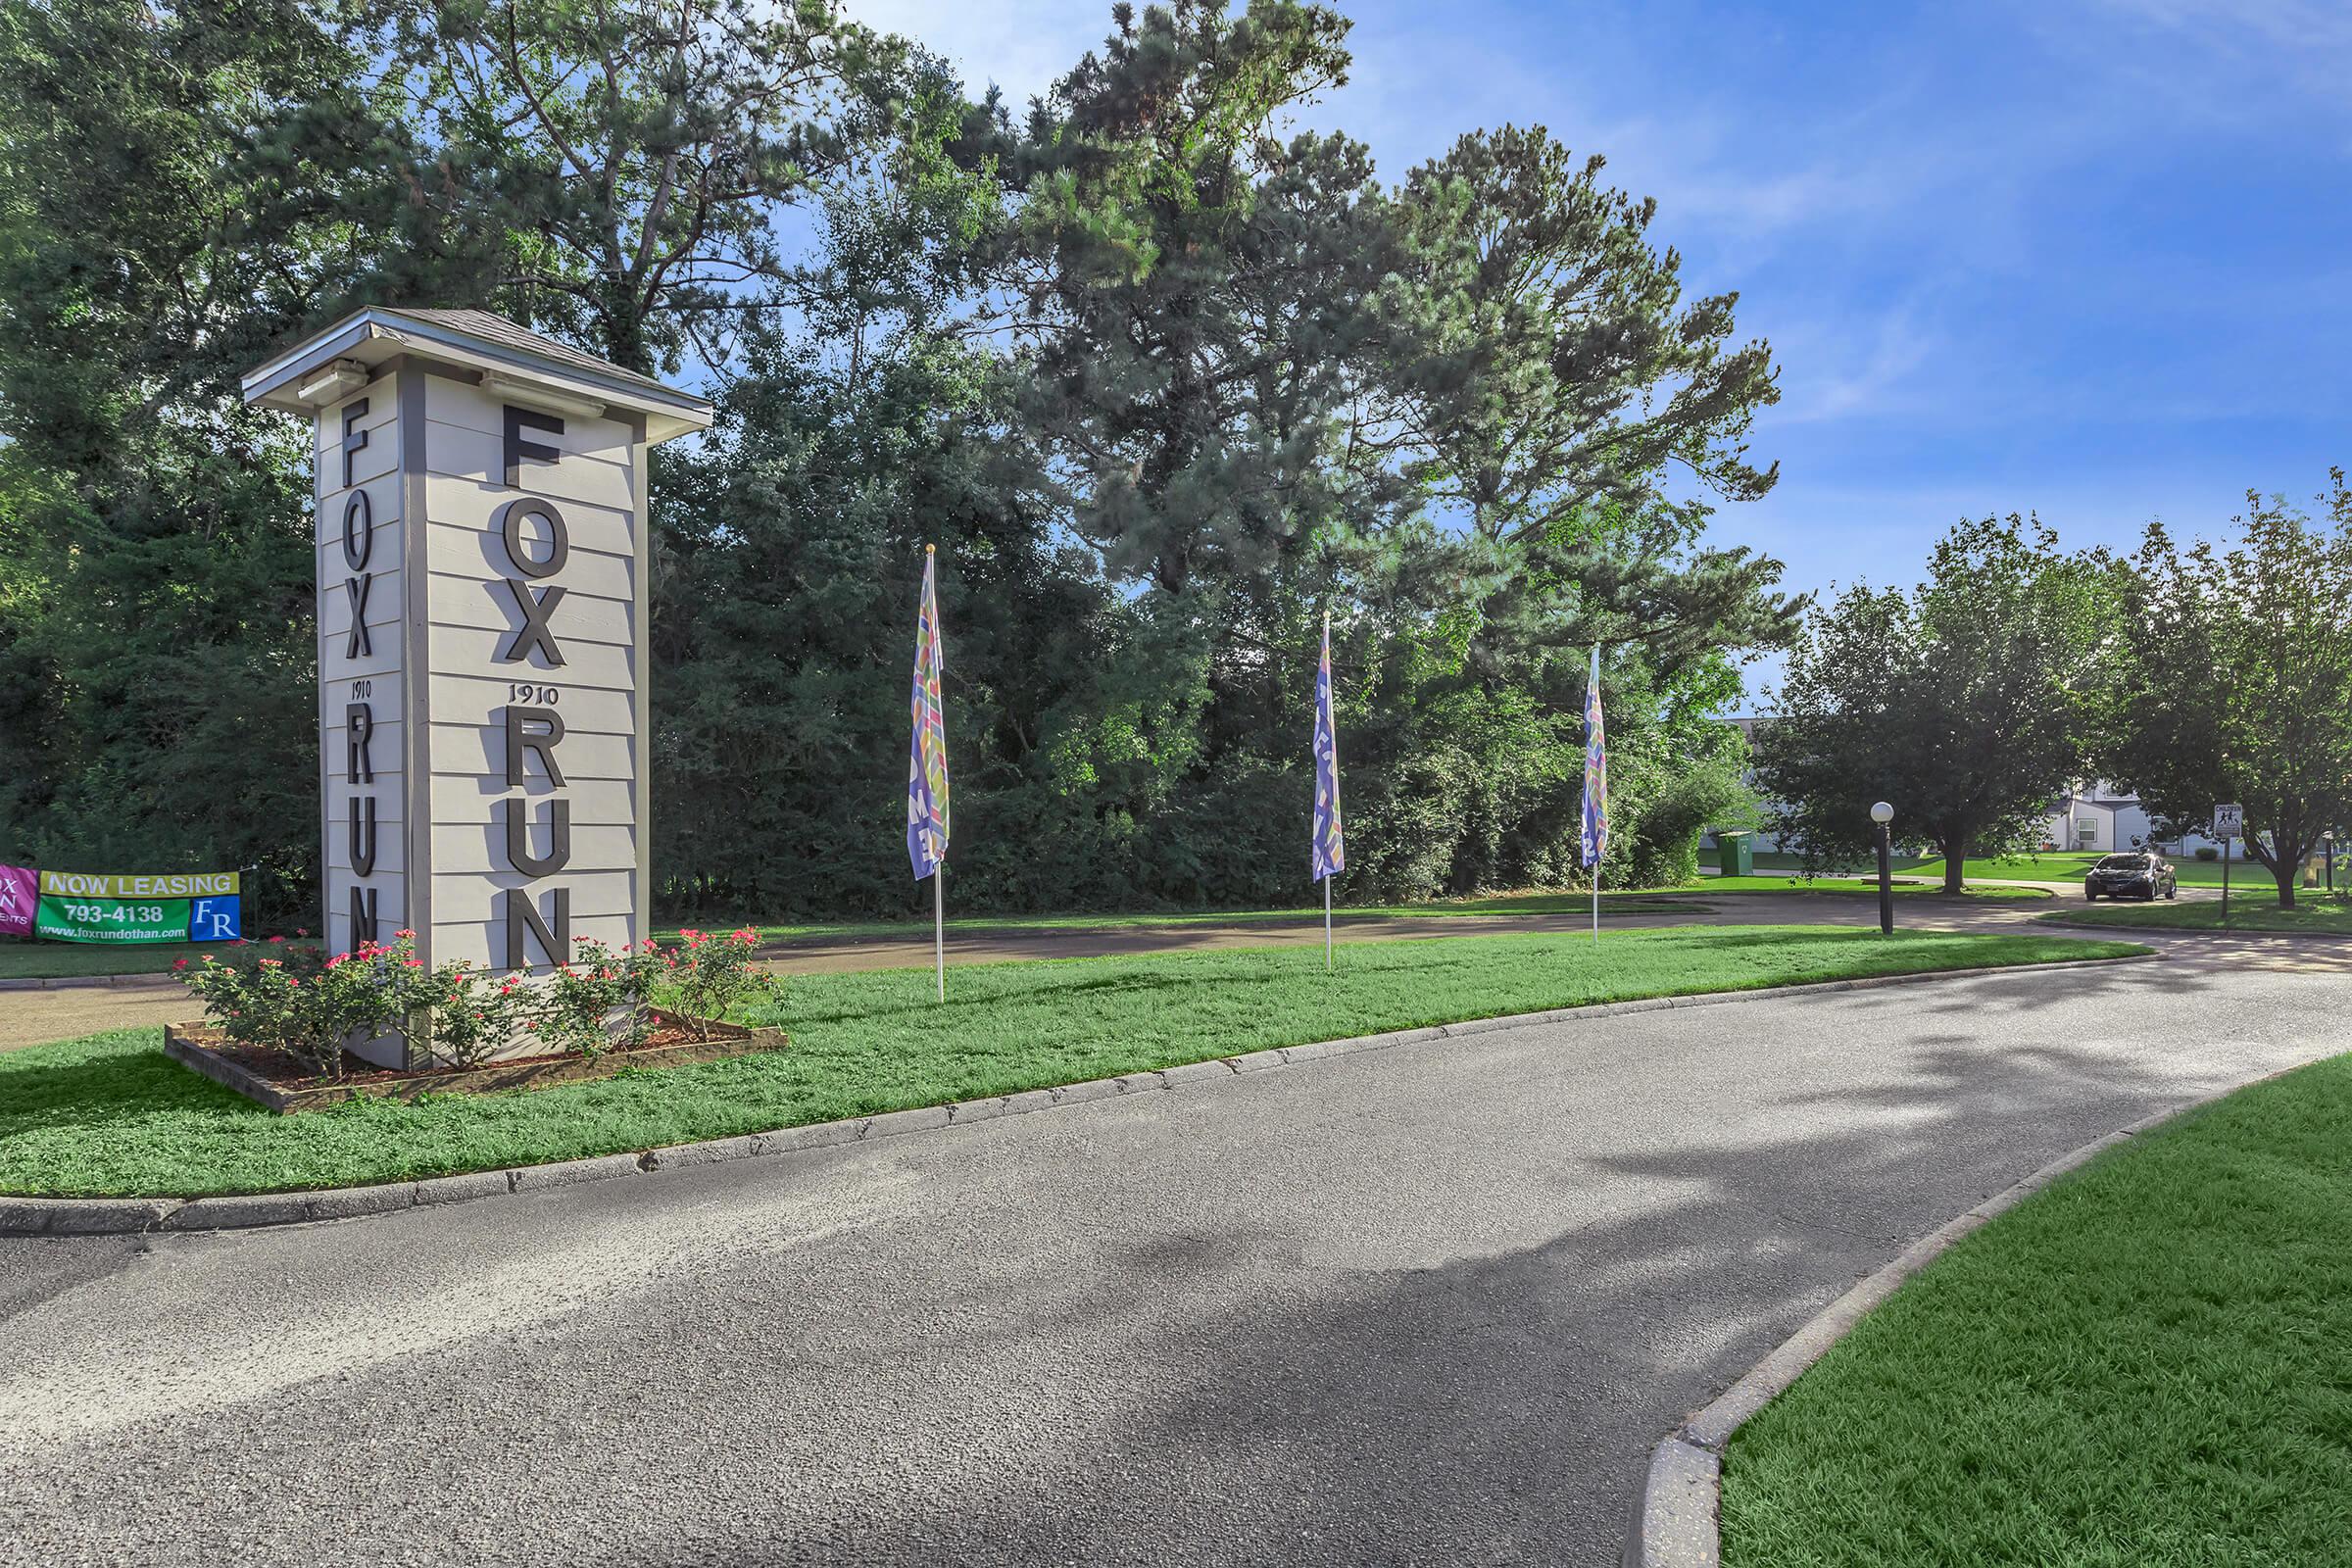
{"x": 1596, "y": 686}
{"x": 939, "y": 926}
{"x": 1327, "y": 925}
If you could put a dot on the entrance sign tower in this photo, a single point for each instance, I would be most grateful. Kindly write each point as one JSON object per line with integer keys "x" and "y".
{"x": 481, "y": 539}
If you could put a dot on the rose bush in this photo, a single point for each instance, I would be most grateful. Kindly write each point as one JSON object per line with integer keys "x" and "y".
{"x": 598, "y": 1001}
{"x": 707, "y": 974}
{"x": 309, "y": 1005}
{"x": 476, "y": 1014}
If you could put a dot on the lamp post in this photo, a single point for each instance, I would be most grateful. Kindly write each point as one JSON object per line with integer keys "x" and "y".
{"x": 2328, "y": 840}
{"x": 1884, "y": 813}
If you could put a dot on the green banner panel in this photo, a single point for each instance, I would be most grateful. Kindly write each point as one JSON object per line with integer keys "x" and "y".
{"x": 77, "y": 908}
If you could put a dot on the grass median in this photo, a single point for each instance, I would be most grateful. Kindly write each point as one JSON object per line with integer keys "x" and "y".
{"x": 20, "y": 960}
{"x": 2144, "y": 1365}
{"x": 65, "y": 960}
{"x": 110, "y": 1114}
{"x": 2313, "y": 913}
{"x": 1863, "y": 887}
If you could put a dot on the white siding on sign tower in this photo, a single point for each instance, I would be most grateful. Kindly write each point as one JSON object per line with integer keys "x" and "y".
{"x": 376, "y": 677}
{"x": 473, "y": 615}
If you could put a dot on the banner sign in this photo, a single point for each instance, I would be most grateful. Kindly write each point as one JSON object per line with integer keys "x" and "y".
{"x": 19, "y": 894}
{"x": 88, "y": 906}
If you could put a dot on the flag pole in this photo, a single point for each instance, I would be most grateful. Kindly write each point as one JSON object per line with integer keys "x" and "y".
{"x": 1592, "y": 707}
{"x": 1327, "y": 925}
{"x": 927, "y": 770}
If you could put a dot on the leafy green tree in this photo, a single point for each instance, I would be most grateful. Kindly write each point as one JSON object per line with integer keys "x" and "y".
{"x": 1162, "y": 380}
{"x": 1188, "y": 291}
{"x": 616, "y": 167}
{"x": 1968, "y": 704}
{"x": 2238, "y": 685}
{"x": 167, "y": 213}
{"x": 1555, "y": 372}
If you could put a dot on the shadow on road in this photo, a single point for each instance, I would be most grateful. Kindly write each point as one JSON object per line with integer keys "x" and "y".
{"x": 1499, "y": 1409}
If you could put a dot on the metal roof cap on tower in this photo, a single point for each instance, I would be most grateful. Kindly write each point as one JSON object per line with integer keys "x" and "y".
{"x": 489, "y": 348}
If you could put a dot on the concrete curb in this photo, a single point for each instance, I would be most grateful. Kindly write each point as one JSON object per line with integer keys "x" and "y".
{"x": 1678, "y": 1514}
{"x": 2126, "y": 933}
{"x": 86, "y": 1216}
{"x": 79, "y": 982}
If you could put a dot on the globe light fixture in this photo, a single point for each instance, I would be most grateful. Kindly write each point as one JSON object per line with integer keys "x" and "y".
{"x": 1884, "y": 813}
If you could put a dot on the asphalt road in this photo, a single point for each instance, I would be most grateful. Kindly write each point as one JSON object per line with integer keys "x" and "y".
{"x": 1422, "y": 1306}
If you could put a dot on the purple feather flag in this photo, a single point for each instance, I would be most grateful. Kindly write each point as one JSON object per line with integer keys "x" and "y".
{"x": 927, "y": 757}
{"x": 1331, "y": 851}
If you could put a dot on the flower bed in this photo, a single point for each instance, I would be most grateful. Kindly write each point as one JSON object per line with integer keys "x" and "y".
{"x": 284, "y": 1082}
{"x": 281, "y": 1021}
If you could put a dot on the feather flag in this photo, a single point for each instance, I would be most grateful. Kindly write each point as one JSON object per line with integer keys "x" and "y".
{"x": 927, "y": 757}
{"x": 1596, "y": 773}
{"x": 1331, "y": 851}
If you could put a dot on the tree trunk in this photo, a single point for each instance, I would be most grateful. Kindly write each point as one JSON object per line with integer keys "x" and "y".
{"x": 2284, "y": 874}
{"x": 1955, "y": 872}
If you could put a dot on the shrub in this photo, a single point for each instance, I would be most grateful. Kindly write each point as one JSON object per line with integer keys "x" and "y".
{"x": 475, "y": 1013}
{"x": 598, "y": 1002}
{"x": 707, "y": 974}
{"x": 2206, "y": 852}
{"x": 307, "y": 1005}
{"x": 296, "y": 1001}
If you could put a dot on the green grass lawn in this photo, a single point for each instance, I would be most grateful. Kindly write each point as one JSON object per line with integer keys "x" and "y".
{"x": 2056, "y": 865}
{"x": 2259, "y": 911}
{"x": 2144, "y": 1365}
{"x": 44, "y": 961}
{"x": 1784, "y": 861}
{"x": 1851, "y": 886}
{"x": 27, "y": 960}
{"x": 2066, "y": 866}
{"x": 110, "y": 1114}
{"x": 1661, "y": 900}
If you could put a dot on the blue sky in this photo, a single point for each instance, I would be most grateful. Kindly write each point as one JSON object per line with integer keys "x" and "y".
{"x": 2092, "y": 258}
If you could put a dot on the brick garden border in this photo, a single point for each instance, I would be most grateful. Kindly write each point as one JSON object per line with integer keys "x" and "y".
{"x": 89, "y": 1216}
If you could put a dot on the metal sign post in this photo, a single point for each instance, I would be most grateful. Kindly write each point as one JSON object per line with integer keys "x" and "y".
{"x": 2228, "y": 821}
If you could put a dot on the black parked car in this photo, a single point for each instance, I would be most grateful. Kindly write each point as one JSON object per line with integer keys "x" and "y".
{"x": 2137, "y": 875}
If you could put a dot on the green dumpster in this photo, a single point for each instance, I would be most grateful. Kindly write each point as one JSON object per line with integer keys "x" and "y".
{"x": 1736, "y": 852}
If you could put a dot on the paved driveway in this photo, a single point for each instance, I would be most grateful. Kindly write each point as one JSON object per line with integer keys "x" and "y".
{"x": 1422, "y": 1306}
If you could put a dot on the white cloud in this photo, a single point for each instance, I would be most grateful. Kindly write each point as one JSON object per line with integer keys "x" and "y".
{"x": 1861, "y": 362}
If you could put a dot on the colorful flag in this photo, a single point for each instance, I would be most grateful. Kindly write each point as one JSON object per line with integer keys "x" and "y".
{"x": 927, "y": 757}
{"x": 1596, "y": 772}
{"x": 1330, "y": 853}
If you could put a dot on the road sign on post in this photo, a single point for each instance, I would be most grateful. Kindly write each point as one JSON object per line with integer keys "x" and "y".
{"x": 483, "y": 663}
{"x": 2229, "y": 822}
